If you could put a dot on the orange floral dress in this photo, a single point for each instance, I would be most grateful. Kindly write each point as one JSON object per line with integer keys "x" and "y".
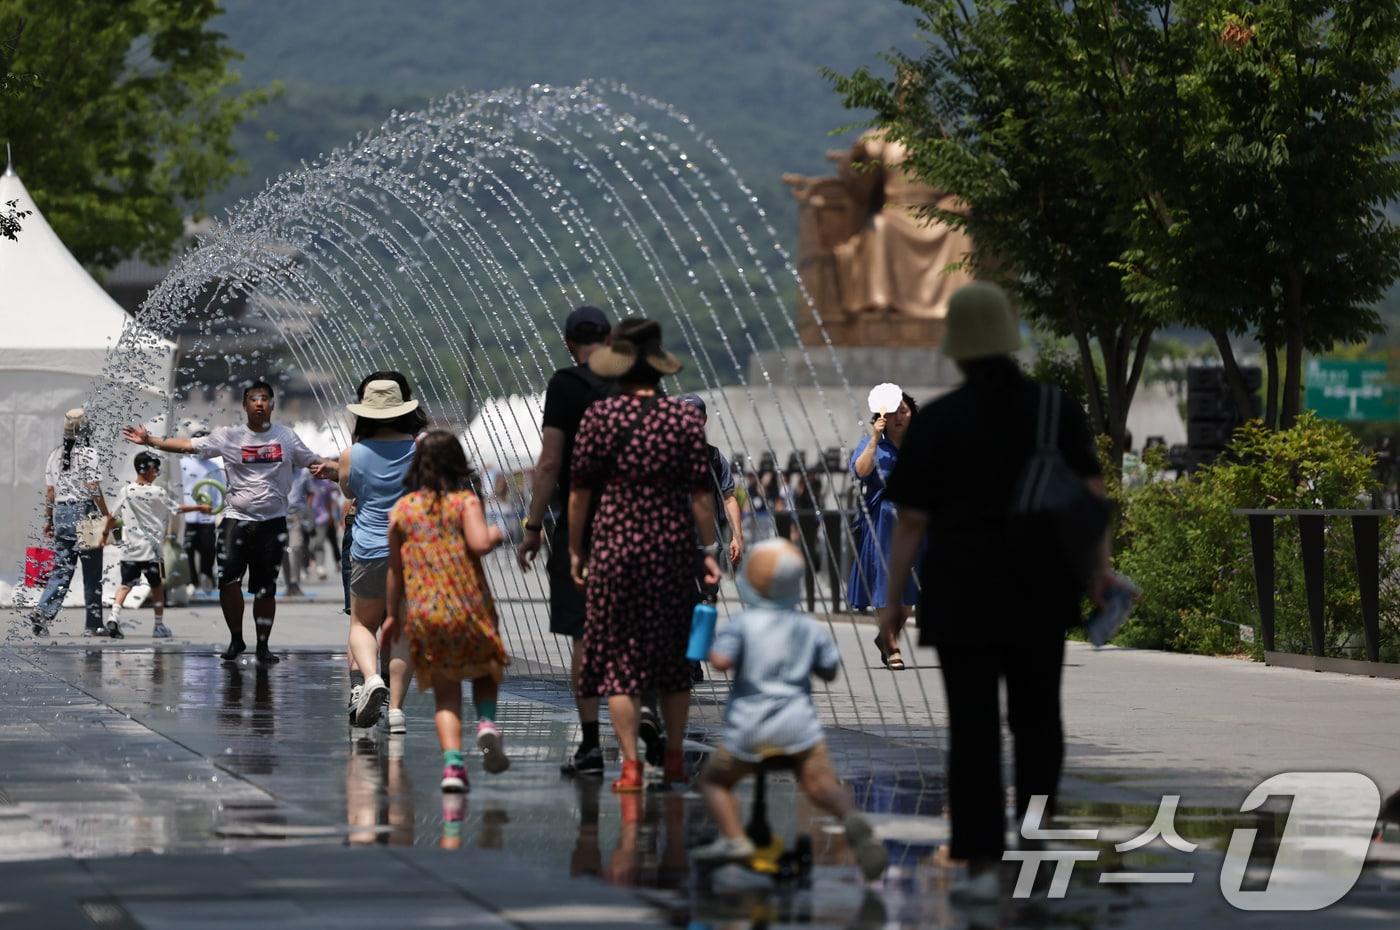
{"x": 451, "y": 623}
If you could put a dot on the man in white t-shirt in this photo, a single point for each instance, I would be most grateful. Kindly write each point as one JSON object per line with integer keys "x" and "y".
{"x": 261, "y": 460}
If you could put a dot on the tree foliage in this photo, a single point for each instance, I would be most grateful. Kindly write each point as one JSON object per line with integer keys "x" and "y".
{"x": 120, "y": 114}
{"x": 988, "y": 117}
{"x": 1263, "y": 171}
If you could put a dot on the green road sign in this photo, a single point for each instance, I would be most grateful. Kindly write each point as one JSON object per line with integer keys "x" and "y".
{"x": 1339, "y": 390}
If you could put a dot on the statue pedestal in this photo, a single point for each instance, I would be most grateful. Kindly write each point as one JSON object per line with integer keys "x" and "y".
{"x": 921, "y": 370}
{"x": 874, "y": 330}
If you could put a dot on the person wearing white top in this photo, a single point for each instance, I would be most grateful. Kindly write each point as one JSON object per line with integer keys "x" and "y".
{"x": 261, "y": 460}
{"x": 199, "y": 527}
{"x": 145, "y": 511}
{"x": 73, "y": 492}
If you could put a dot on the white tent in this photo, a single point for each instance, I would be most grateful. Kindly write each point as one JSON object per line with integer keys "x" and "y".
{"x": 505, "y": 433}
{"x": 59, "y": 326}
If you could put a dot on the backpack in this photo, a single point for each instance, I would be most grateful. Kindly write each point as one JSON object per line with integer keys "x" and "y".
{"x": 1054, "y": 515}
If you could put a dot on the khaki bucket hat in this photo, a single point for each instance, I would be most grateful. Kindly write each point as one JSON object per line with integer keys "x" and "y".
{"x": 980, "y": 323}
{"x": 383, "y": 400}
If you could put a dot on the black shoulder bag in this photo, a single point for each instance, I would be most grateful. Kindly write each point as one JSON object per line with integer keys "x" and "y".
{"x": 1053, "y": 513}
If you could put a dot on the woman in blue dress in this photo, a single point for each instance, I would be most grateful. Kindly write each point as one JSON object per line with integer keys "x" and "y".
{"x": 871, "y": 464}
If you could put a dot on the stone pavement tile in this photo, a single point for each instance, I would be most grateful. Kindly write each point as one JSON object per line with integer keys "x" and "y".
{"x": 529, "y": 896}
{"x": 311, "y": 871}
{"x": 219, "y": 914}
{"x": 46, "y": 893}
{"x": 172, "y": 876}
{"x": 395, "y": 912}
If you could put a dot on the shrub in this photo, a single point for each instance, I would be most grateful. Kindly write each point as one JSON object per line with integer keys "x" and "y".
{"x": 1181, "y": 541}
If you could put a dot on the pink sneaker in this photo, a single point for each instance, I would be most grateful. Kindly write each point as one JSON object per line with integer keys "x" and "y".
{"x": 493, "y": 753}
{"x": 454, "y": 778}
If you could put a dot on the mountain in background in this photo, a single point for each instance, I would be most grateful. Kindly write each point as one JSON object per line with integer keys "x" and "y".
{"x": 747, "y": 72}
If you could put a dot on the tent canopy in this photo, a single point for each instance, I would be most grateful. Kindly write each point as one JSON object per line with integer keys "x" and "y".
{"x": 57, "y": 318}
{"x": 505, "y": 433}
{"x": 59, "y": 329}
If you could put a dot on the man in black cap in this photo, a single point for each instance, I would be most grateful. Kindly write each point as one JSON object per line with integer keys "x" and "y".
{"x": 568, "y": 395}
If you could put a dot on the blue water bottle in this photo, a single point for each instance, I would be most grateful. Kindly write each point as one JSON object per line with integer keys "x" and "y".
{"x": 702, "y": 632}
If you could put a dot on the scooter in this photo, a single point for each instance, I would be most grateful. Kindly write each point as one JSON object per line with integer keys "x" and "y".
{"x": 787, "y": 868}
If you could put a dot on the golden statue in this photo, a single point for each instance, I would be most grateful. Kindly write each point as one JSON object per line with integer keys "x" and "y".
{"x": 877, "y": 272}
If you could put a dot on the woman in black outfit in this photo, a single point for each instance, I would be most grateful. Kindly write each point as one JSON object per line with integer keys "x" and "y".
{"x": 993, "y": 610}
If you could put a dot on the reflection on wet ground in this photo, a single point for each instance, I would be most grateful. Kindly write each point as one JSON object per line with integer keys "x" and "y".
{"x": 110, "y": 752}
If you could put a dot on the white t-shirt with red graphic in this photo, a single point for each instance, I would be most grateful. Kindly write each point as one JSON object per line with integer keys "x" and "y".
{"x": 260, "y": 467}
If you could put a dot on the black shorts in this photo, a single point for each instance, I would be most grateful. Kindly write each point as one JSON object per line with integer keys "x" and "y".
{"x": 253, "y": 547}
{"x": 133, "y": 571}
{"x": 566, "y": 606}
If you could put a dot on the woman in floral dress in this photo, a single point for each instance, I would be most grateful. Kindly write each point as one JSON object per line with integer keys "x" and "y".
{"x": 437, "y": 591}
{"x": 644, "y": 457}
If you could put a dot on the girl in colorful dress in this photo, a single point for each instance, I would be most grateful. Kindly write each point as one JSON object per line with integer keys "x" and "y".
{"x": 437, "y": 592}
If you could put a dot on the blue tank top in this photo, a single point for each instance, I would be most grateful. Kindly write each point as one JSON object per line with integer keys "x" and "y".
{"x": 377, "y": 467}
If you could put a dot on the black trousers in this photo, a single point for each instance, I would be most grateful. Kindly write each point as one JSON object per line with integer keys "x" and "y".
{"x": 971, "y": 679}
{"x": 199, "y": 550}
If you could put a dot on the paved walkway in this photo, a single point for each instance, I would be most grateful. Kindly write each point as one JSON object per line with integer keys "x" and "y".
{"x": 244, "y": 780}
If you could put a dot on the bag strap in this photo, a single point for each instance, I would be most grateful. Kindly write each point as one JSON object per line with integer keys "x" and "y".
{"x": 624, "y": 440}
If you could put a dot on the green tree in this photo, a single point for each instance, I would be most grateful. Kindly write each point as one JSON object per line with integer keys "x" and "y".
{"x": 10, "y": 213}
{"x": 1261, "y": 162}
{"x": 987, "y": 116}
{"x": 119, "y": 114}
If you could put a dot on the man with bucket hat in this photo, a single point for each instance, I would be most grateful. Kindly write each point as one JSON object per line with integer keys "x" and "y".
{"x": 569, "y": 393}
{"x": 261, "y": 459}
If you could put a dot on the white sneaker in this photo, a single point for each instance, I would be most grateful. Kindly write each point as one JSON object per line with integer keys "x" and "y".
{"x": 161, "y": 631}
{"x": 371, "y": 703}
{"x": 398, "y": 723}
{"x": 724, "y": 850}
{"x": 493, "y": 753}
{"x": 354, "y": 701}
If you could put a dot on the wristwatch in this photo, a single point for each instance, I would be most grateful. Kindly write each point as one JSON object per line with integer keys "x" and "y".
{"x": 711, "y": 549}
{"x": 536, "y": 528}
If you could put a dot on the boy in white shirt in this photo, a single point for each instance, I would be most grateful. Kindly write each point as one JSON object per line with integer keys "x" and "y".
{"x": 145, "y": 511}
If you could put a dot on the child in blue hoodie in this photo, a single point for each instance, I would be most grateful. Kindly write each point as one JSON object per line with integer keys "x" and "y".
{"x": 774, "y": 650}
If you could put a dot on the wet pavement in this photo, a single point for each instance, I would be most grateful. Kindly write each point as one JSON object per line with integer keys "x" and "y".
{"x": 159, "y": 787}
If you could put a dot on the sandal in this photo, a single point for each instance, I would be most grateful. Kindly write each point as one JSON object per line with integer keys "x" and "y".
{"x": 892, "y": 659}
{"x": 631, "y": 780}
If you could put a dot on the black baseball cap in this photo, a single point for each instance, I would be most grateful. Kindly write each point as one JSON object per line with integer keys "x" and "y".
{"x": 586, "y": 324}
